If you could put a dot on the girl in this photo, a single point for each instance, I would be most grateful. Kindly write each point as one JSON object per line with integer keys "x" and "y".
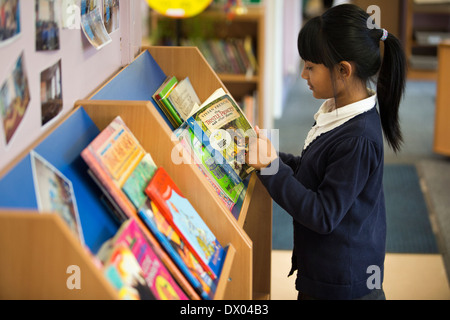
{"x": 334, "y": 190}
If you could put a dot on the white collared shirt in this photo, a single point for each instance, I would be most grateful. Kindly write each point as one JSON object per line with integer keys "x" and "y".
{"x": 327, "y": 120}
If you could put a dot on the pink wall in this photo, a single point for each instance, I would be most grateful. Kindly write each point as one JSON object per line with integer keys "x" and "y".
{"x": 83, "y": 67}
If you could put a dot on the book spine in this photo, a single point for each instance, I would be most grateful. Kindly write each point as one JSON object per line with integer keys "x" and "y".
{"x": 168, "y": 105}
{"x": 219, "y": 159}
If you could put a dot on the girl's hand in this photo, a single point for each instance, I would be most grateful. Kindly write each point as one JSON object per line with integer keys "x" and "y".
{"x": 261, "y": 153}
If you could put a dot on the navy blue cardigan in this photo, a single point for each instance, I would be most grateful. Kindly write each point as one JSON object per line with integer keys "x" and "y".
{"x": 334, "y": 193}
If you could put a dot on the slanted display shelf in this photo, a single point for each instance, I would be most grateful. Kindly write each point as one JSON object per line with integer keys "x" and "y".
{"x": 36, "y": 249}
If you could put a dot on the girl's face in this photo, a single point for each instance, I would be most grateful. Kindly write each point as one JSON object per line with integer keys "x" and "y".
{"x": 319, "y": 80}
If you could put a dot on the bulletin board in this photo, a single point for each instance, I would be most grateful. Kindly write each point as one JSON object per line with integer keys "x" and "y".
{"x": 50, "y": 56}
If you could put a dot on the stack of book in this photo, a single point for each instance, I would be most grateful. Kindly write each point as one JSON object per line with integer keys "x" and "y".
{"x": 177, "y": 254}
{"x": 213, "y": 134}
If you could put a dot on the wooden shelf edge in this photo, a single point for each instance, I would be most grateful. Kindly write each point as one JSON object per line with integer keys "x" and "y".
{"x": 36, "y": 266}
{"x": 225, "y": 275}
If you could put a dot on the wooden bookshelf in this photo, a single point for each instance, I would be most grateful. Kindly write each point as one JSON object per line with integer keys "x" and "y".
{"x": 252, "y": 24}
{"x": 34, "y": 241}
{"x": 35, "y": 251}
{"x": 425, "y": 23}
{"x": 442, "y": 118}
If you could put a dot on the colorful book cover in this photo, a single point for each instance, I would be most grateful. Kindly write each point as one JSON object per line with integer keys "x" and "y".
{"x": 159, "y": 279}
{"x": 226, "y": 129}
{"x": 227, "y": 190}
{"x": 126, "y": 276}
{"x": 137, "y": 181}
{"x": 112, "y": 156}
{"x": 177, "y": 250}
{"x": 186, "y": 222}
{"x": 215, "y": 154}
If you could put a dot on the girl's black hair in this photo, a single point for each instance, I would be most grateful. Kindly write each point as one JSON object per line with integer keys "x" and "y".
{"x": 343, "y": 33}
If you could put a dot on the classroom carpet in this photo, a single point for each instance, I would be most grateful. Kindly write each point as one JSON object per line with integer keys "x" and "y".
{"x": 408, "y": 226}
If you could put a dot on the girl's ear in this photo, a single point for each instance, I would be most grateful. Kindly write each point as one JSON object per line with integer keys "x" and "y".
{"x": 345, "y": 69}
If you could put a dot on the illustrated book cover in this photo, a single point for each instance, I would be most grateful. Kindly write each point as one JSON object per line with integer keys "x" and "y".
{"x": 112, "y": 156}
{"x": 224, "y": 186}
{"x": 223, "y": 128}
{"x": 159, "y": 279}
{"x": 126, "y": 276}
{"x": 177, "y": 250}
{"x": 186, "y": 222}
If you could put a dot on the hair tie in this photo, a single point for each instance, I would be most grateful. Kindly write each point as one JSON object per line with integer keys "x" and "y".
{"x": 385, "y": 35}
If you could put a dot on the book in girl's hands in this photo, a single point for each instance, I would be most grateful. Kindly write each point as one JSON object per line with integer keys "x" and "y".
{"x": 177, "y": 250}
{"x": 224, "y": 186}
{"x": 160, "y": 281}
{"x": 222, "y": 126}
{"x": 186, "y": 221}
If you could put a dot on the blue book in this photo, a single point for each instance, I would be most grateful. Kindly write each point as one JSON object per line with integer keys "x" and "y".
{"x": 178, "y": 252}
{"x": 215, "y": 154}
{"x": 186, "y": 222}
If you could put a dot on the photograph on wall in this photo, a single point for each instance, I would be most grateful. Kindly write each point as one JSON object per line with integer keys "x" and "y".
{"x": 111, "y": 15}
{"x": 14, "y": 99}
{"x": 47, "y": 27}
{"x": 54, "y": 193}
{"x": 88, "y": 6}
{"x": 9, "y": 21}
{"x": 94, "y": 29}
{"x": 51, "y": 93}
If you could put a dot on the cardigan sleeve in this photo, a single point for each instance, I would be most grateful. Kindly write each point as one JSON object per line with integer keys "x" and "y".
{"x": 350, "y": 163}
{"x": 289, "y": 159}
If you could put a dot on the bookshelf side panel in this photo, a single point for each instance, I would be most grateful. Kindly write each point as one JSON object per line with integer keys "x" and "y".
{"x": 39, "y": 264}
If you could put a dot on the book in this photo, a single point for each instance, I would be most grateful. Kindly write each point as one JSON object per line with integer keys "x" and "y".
{"x": 161, "y": 97}
{"x": 137, "y": 181}
{"x": 177, "y": 250}
{"x": 126, "y": 276}
{"x": 55, "y": 193}
{"x": 112, "y": 156}
{"x": 186, "y": 221}
{"x": 160, "y": 281}
{"x": 183, "y": 97}
{"x": 227, "y": 190}
{"x": 222, "y": 126}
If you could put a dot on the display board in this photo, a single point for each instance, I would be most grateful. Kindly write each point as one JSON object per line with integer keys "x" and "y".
{"x": 56, "y": 70}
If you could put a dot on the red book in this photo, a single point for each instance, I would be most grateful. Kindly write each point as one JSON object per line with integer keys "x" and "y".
{"x": 186, "y": 222}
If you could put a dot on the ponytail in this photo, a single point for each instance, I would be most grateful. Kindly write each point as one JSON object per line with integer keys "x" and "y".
{"x": 390, "y": 89}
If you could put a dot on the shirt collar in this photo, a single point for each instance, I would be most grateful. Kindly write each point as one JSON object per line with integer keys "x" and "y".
{"x": 324, "y": 117}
